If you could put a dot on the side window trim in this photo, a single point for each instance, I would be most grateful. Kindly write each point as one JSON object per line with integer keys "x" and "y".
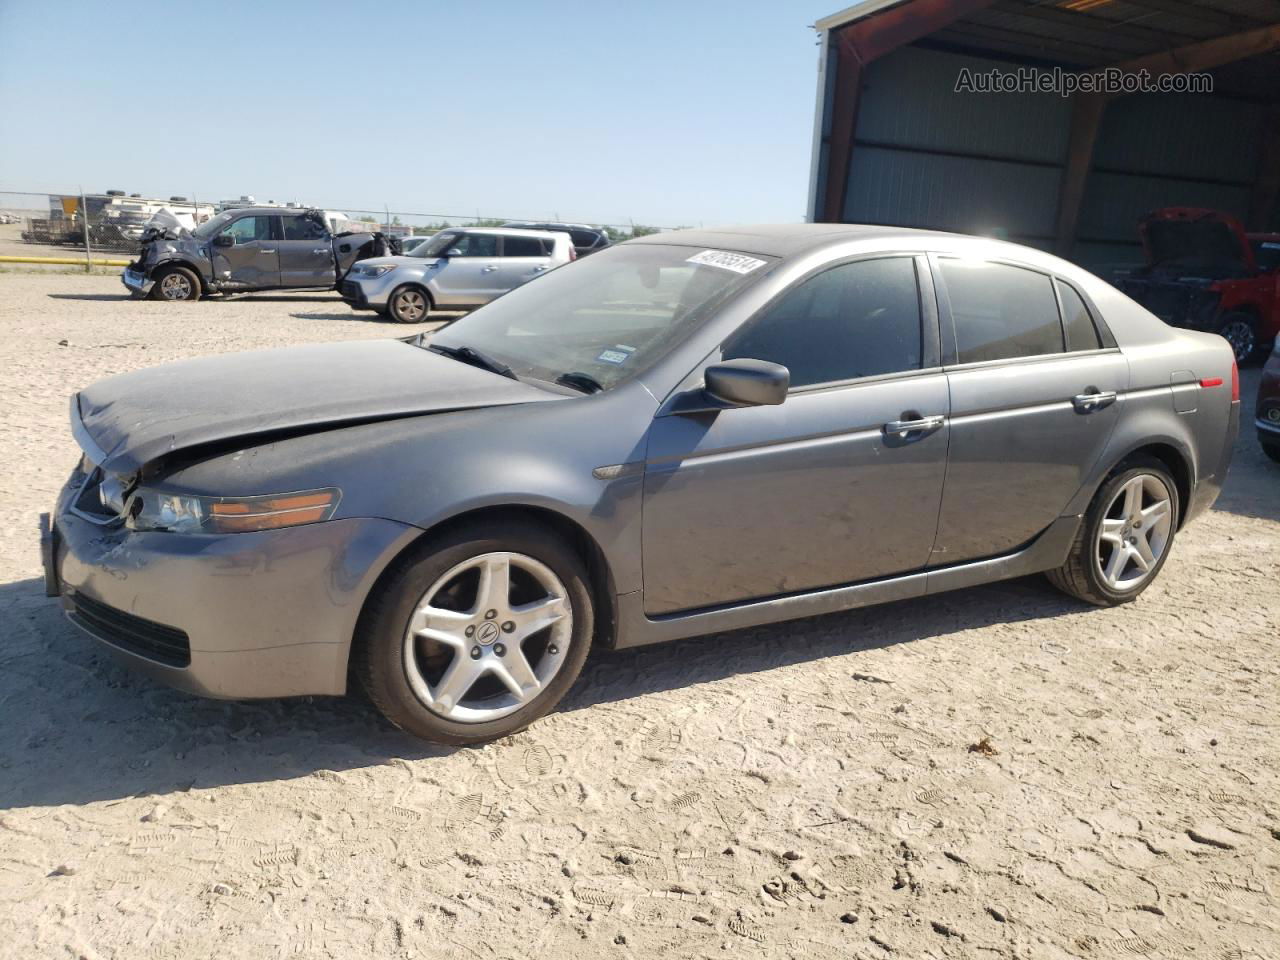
{"x": 929, "y": 354}
{"x": 1107, "y": 341}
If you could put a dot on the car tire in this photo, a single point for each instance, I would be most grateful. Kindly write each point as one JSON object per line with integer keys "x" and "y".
{"x": 409, "y": 304}
{"x": 405, "y": 668}
{"x": 176, "y": 283}
{"x": 1272, "y": 450}
{"x": 1110, "y": 524}
{"x": 1241, "y": 331}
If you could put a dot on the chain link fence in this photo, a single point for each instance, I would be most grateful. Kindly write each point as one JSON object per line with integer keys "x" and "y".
{"x": 104, "y": 230}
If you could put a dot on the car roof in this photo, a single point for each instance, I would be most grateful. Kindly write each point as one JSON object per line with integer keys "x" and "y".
{"x": 548, "y": 224}
{"x": 792, "y": 239}
{"x": 506, "y": 231}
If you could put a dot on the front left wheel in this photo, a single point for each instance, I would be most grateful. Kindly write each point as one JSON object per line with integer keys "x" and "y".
{"x": 176, "y": 283}
{"x": 408, "y": 305}
{"x": 477, "y": 634}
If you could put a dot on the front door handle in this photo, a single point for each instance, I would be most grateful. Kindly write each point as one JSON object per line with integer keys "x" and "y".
{"x": 488, "y": 269}
{"x": 265, "y": 250}
{"x": 1093, "y": 399}
{"x": 901, "y": 428}
{"x": 321, "y": 250}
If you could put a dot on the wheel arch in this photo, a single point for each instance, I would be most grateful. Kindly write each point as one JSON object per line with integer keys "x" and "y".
{"x": 1176, "y": 459}
{"x": 163, "y": 265}
{"x": 603, "y": 592}
{"x": 416, "y": 285}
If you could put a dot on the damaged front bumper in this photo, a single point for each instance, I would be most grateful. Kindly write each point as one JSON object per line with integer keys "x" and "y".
{"x": 233, "y": 616}
{"x": 136, "y": 280}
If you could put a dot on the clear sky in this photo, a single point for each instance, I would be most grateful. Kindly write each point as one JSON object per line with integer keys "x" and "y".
{"x": 669, "y": 112}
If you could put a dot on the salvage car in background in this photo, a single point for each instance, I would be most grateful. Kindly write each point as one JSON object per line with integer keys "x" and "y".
{"x": 1267, "y": 410}
{"x": 245, "y": 249}
{"x": 586, "y": 239}
{"x": 683, "y": 434}
{"x": 1204, "y": 273}
{"x": 460, "y": 268}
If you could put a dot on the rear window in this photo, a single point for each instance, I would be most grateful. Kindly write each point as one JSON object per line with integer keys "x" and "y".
{"x": 584, "y": 238}
{"x": 1081, "y": 333}
{"x": 1001, "y": 312}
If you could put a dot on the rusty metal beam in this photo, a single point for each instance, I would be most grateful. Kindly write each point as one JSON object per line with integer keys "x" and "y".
{"x": 857, "y": 45}
{"x": 1266, "y": 189}
{"x": 1207, "y": 54}
{"x": 1086, "y": 119}
{"x": 1087, "y": 112}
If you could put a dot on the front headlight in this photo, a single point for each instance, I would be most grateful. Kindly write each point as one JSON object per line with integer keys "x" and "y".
{"x": 150, "y": 509}
{"x": 378, "y": 271}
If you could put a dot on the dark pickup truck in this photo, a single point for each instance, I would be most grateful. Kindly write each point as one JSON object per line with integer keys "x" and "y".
{"x": 253, "y": 248}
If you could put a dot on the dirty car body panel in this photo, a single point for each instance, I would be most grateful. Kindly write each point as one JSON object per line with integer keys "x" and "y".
{"x": 694, "y": 515}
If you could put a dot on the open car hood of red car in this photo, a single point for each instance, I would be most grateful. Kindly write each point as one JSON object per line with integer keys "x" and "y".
{"x": 1196, "y": 236}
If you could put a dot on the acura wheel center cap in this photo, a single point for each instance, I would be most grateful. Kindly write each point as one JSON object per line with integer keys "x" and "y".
{"x": 487, "y": 632}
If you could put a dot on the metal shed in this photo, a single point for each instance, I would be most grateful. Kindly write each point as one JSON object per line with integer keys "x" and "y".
{"x": 896, "y": 143}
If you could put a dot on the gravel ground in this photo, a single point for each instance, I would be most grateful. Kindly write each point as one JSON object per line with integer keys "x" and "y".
{"x": 996, "y": 772}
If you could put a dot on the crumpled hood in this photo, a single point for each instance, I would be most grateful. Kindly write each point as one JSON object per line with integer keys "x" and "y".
{"x": 1194, "y": 236}
{"x": 126, "y": 421}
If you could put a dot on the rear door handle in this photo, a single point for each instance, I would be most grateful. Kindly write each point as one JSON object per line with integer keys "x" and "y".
{"x": 1092, "y": 400}
{"x": 321, "y": 250}
{"x": 900, "y": 428}
{"x": 488, "y": 269}
{"x": 264, "y": 250}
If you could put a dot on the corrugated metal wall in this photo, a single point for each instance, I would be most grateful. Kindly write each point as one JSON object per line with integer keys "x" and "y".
{"x": 927, "y": 156}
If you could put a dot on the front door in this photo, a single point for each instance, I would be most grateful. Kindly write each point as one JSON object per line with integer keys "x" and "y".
{"x": 471, "y": 274}
{"x": 306, "y": 253}
{"x": 839, "y": 484}
{"x": 253, "y": 258}
{"x": 1034, "y": 399}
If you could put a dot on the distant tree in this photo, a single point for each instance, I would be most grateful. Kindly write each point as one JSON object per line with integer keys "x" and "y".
{"x": 640, "y": 230}
{"x": 367, "y": 219}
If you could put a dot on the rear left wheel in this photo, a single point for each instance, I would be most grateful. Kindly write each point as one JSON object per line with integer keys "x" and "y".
{"x": 1125, "y": 537}
{"x": 478, "y": 634}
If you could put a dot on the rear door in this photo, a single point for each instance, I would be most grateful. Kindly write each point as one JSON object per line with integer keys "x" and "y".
{"x": 472, "y": 274}
{"x": 1034, "y": 398}
{"x": 253, "y": 259}
{"x": 828, "y": 488}
{"x": 306, "y": 253}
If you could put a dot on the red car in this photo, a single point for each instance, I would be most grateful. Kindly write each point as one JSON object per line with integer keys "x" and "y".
{"x": 1204, "y": 272}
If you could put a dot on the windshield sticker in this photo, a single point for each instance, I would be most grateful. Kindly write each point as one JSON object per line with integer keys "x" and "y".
{"x": 1271, "y": 246}
{"x": 736, "y": 262}
{"x": 618, "y": 354}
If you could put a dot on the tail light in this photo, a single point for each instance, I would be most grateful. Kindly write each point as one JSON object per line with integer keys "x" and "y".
{"x": 573, "y": 253}
{"x": 1235, "y": 382}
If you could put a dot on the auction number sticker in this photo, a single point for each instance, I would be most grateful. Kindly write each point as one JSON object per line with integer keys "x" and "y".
{"x": 618, "y": 354}
{"x": 736, "y": 262}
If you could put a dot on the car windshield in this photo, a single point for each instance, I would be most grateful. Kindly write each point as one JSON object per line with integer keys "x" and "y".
{"x": 436, "y": 246}
{"x": 212, "y": 227}
{"x": 609, "y": 317}
{"x": 1267, "y": 253}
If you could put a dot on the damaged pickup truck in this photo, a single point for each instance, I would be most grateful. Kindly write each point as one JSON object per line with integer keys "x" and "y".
{"x": 253, "y": 248}
{"x": 1204, "y": 273}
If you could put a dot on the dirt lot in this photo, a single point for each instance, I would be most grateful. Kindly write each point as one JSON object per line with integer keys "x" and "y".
{"x": 998, "y": 772}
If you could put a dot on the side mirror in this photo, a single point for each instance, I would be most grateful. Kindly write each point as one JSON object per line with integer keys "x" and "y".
{"x": 748, "y": 383}
{"x": 224, "y": 240}
{"x": 452, "y": 252}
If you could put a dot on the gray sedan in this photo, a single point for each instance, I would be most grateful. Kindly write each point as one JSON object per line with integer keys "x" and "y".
{"x": 682, "y": 434}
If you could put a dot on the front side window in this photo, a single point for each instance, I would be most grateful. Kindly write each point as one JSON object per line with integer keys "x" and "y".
{"x": 247, "y": 229}
{"x": 303, "y": 228}
{"x": 522, "y": 247}
{"x": 859, "y": 319}
{"x": 1081, "y": 333}
{"x": 1001, "y": 312}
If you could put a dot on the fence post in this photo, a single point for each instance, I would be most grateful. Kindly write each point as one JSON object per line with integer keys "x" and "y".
{"x": 84, "y": 215}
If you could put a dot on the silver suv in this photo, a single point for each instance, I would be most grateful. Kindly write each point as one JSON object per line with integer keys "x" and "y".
{"x": 460, "y": 268}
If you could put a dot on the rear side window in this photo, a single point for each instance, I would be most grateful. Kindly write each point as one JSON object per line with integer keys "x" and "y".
{"x": 522, "y": 247}
{"x": 1001, "y": 312}
{"x": 584, "y": 238}
{"x": 856, "y": 320}
{"x": 1081, "y": 333}
{"x": 303, "y": 228}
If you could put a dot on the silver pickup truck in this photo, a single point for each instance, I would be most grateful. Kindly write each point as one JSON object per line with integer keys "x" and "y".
{"x": 253, "y": 248}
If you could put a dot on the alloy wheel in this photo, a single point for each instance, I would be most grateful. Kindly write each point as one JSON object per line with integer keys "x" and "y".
{"x": 175, "y": 286}
{"x": 1134, "y": 532}
{"x": 410, "y": 306}
{"x": 1241, "y": 336}
{"x": 487, "y": 637}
